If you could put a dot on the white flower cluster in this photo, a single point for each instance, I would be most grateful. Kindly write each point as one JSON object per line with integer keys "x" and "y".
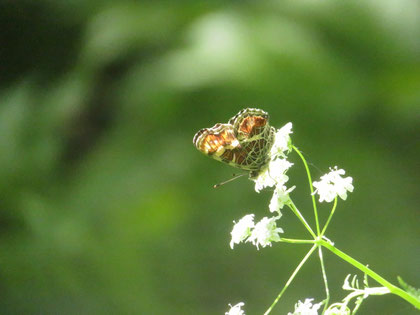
{"x": 280, "y": 198}
{"x": 236, "y": 309}
{"x": 275, "y": 171}
{"x": 259, "y": 234}
{"x": 242, "y": 230}
{"x": 332, "y": 185}
{"x": 274, "y": 174}
{"x": 306, "y": 308}
{"x": 338, "y": 309}
{"x": 266, "y": 231}
{"x": 282, "y": 141}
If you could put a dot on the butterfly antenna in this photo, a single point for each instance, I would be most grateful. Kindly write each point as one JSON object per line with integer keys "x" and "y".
{"x": 235, "y": 176}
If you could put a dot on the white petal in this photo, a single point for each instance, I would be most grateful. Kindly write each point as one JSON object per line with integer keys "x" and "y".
{"x": 236, "y": 309}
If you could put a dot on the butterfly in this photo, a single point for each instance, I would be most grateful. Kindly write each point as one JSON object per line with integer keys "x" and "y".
{"x": 244, "y": 142}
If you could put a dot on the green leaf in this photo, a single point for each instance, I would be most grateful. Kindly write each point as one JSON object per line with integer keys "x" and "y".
{"x": 409, "y": 289}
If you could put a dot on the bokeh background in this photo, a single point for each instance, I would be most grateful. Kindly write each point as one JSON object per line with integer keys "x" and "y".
{"x": 106, "y": 206}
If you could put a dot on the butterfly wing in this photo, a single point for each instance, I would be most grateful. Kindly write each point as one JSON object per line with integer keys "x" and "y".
{"x": 249, "y": 123}
{"x": 255, "y": 135}
{"x": 220, "y": 143}
{"x": 244, "y": 142}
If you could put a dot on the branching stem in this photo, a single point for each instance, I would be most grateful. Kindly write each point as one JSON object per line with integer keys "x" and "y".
{"x": 296, "y": 211}
{"x": 330, "y": 217}
{"x": 311, "y": 188}
{"x": 324, "y": 277}
{"x": 392, "y": 288}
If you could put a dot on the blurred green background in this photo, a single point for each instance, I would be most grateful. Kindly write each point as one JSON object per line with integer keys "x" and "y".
{"x": 106, "y": 206}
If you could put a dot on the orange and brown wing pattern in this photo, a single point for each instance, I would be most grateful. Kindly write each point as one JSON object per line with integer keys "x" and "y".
{"x": 255, "y": 135}
{"x": 219, "y": 142}
{"x": 213, "y": 141}
{"x": 250, "y": 122}
{"x": 244, "y": 142}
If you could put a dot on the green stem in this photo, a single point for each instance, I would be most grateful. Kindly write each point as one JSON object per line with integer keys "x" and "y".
{"x": 311, "y": 187}
{"x": 308, "y": 254}
{"x": 301, "y": 218}
{"x": 392, "y": 288}
{"x": 295, "y": 241}
{"x": 330, "y": 217}
{"x": 324, "y": 276}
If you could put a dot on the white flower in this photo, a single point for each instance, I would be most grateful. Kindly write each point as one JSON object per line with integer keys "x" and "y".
{"x": 280, "y": 198}
{"x": 273, "y": 174}
{"x": 264, "y": 180}
{"x": 306, "y": 308}
{"x": 338, "y": 309}
{"x": 282, "y": 141}
{"x": 236, "y": 309}
{"x": 332, "y": 184}
{"x": 265, "y": 232}
{"x": 242, "y": 229}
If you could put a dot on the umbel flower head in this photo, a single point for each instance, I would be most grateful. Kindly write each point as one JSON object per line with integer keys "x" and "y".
{"x": 282, "y": 141}
{"x": 242, "y": 229}
{"x": 280, "y": 198}
{"x": 261, "y": 234}
{"x": 338, "y": 310}
{"x": 332, "y": 185}
{"x": 265, "y": 232}
{"x": 274, "y": 173}
{"x": 306, "y": 308}
{"x": 236, "y": 309}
